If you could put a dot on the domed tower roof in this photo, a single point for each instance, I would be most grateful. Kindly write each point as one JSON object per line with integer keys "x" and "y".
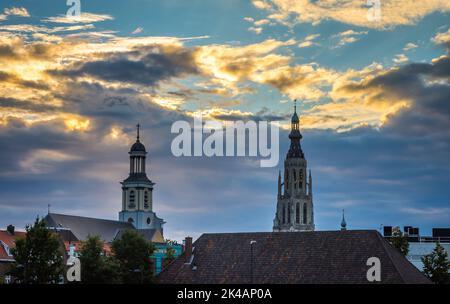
{"x": 138, "y": 146}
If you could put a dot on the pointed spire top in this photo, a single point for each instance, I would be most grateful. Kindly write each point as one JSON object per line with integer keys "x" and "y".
{"x": 343, "y": 222}
{"x": 295, "y": 119}
{"x": 138, "y": 126}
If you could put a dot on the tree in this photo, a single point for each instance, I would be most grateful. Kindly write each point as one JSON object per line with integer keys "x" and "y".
{"x": 133, "y": 253}
{"x": 96, "y": 267}
{"x": 436, "y": 265}
{"x": 400, "y": 242}
{"x": 170, "y": 255}
{"x": 38, "y": 256}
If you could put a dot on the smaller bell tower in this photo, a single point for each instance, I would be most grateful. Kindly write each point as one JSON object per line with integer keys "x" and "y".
{"x": 137, "y": 192}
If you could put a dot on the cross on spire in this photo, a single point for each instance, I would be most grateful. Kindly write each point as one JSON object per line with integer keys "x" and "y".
{"x": 138, "y": 126}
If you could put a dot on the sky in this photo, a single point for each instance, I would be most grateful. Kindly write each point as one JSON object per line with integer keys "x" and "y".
{"x": 373, "y": 96}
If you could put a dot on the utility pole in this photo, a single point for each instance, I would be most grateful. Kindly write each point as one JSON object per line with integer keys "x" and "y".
{"x": 251, "y": 260}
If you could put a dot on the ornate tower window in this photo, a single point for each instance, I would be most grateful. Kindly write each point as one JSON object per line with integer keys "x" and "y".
{"x": 284, "y": 214}
{"x": 132, "y": 199}
{"x": 295, "y": 178}
{"x": 289, "y": 213}
{"x": 297, "y": 213}
{"x": 146, "y": 205}
{"x": 301, "y": 177}
{"x": 305, "y": 209}
{"x": 286, "y": 178}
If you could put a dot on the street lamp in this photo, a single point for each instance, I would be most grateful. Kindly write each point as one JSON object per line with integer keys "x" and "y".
{"x": 251, "y": 260}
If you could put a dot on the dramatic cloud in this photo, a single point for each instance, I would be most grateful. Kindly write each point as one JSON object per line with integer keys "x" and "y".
{"x": 347, "y": 37}
{"x": 14, "y": 11}
{"x": 146, "y": 66}
{"x": 409, "y": 46}
{"x": 83, "y": 18}
{"x": 354, "y": 12}
{"x": 309, "y": 41}
{"x": 71, "y": 94}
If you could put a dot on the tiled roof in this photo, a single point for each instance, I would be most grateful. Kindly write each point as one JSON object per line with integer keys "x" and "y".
{"x": 81, "y": 227}
{"x": 9, "y": 240}
{"x": 291, "y": 257}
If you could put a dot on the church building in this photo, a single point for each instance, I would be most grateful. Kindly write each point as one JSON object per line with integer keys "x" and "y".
{"x": 136, "y": 214}
{"x": 137, "y": 192}
{"x": 295, "y": 209}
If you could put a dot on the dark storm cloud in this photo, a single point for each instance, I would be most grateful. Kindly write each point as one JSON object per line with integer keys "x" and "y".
{"x": 426, "y": 86}
{"x": 149, "y": 68}
{"x": 26, "y": 105}
{"x": 7, "y": 52}
{"x": 14, "y": 79}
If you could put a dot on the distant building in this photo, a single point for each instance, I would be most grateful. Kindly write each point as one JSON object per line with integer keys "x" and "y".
{"x": 295, "y": 209}
{"x": 8, "y": 239}
{"x": 419, "y": 246}
{"x": 136, "y": 214}
{"x": 289, "y": 258}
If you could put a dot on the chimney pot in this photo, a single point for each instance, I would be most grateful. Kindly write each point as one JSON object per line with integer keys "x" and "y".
{"x": 188, "y": 249}
{"x": 10, "y": 229}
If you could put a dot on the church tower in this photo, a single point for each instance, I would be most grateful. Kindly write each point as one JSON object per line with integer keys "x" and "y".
{"x": 137, "y": 192}
{"x": 295, "y": 200}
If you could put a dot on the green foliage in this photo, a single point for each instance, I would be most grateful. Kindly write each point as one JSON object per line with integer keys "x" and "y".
{"x": 133, "y": 253}
{"x": 400, "y": 242}
{"x": 38, "y": 256}
{"x": 96, "y": 267}
{"x": 170, "y": 256}
{"x": 436, "y": 265}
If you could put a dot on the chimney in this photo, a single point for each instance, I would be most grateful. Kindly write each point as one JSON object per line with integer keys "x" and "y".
{"x": 188, "y": 249}
{"x": 10, "y": 229}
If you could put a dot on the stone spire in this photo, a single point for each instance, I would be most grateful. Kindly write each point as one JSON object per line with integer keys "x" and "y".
{"x": 343, "y": 222}
{"x": 279, "y": 184}
{"x": 295, "y": 150}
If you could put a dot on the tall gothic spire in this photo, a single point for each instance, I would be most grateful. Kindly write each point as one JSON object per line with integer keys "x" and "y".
{"x": 295, "y": 150}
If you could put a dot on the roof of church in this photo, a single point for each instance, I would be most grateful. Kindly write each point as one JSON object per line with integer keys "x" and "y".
{"x": 137, "y": 147}
{"x": 137, "y": 177}
{"x": 291, "y": 257}
{"x": 152, "y": 235}
{"x": 81, "y": 226}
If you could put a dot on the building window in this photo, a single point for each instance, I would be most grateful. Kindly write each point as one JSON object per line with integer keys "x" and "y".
{"x": 301, "y": 177}
{"x": 304, "y": 213}
{"x": 286, "y": 179}
{"x": 289, "y": 213}
{"x": 148, "y": 221}
{"x": 132, "y": 199}
{"x": 297, "y": 213}
{"x": 284, "y": 214}
{"x": 130, "y": 220}
{"x": 146, "y": 199}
